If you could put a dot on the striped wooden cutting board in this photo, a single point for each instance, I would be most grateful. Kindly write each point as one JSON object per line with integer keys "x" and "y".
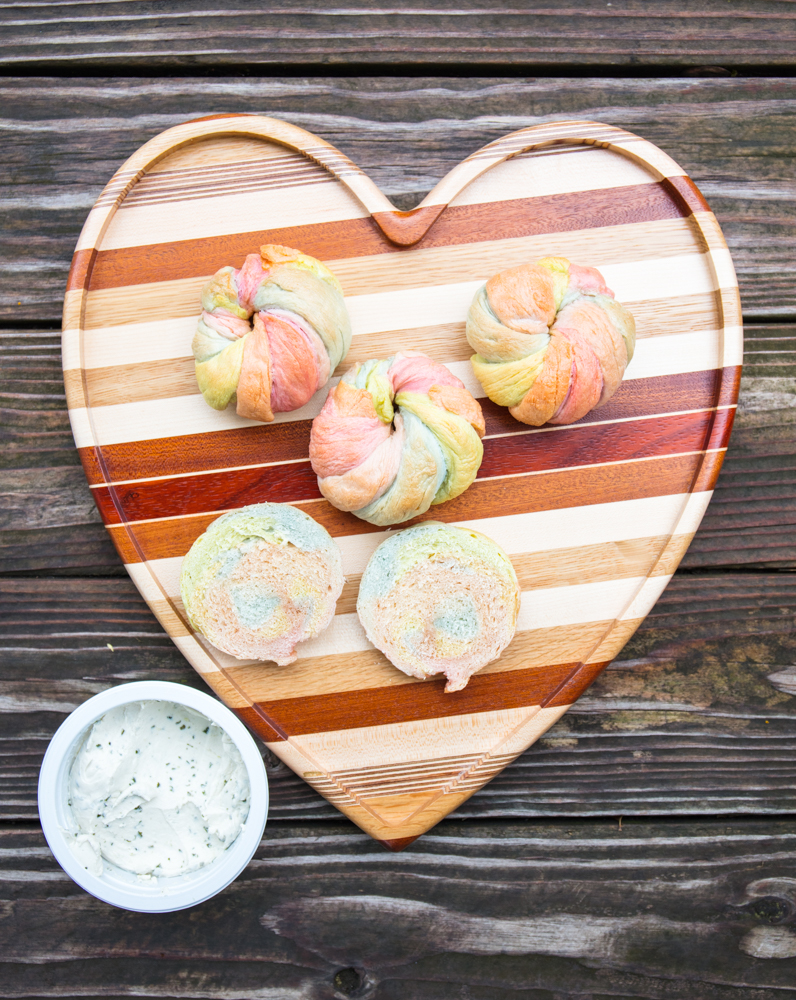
{"x": 595, "y": 516}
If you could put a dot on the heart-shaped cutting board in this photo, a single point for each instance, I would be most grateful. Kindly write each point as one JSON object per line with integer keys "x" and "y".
{"x": 595, "y": 516}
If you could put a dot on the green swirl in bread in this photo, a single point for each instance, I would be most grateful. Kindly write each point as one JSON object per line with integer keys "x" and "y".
{"x": 438, "y": 599}
{"x": 261, "y": 579}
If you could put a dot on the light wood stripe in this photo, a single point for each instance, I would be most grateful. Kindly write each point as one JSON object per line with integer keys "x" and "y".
{"x": 233, "y": 178}
{"x": 570, "y": 169}
{"x": 635, "y": 277}
{"x": 152, "y": 224}
{"x": 418, "y": 743}
{"x": 220, "y": 152}
{"x": 368, "y": 669}
{"x": 445, "y": 343}
{"x": 559, "y": 533}
{"x": 144, "y": 219}
{"x": 157, "y": 415}
{"x": 563, "y": 567}
{"x": 426, "y": 768}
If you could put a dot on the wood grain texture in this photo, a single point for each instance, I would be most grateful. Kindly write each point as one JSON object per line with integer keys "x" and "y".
{"x": 457, "y": 225}
{"x": 735, "y": 137}
{"x": 685, "y": 721}
{"x": 511, "y": 457}
{"x": 191, "y": 34}
{"x": 232, "y": 449}
{"x": 49, "y": 522}
{"x": 488, "y": 911}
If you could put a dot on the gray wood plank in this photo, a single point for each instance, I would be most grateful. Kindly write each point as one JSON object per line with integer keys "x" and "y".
{"x": 64, "y": 139}
{"x": 487, "y": 911}
{"x": 191, "y": 34}
{"x": 751, "y": 519}
{"x": 697, "y": 715}
{"x": 49, "y": 524}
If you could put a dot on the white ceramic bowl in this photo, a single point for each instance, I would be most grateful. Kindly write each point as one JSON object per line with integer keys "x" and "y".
{"x": 122, "y": 888}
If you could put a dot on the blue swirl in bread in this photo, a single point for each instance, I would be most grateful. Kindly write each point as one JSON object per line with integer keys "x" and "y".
{"x": 439, "y": 599}
{"x": 260, "y": 580}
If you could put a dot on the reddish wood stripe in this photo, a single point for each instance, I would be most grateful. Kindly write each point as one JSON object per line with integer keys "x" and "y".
{"x": 489, "y": 498}
{"x": 212, "y": 181}
{"x": 290, "y": 441}
{"x": 408, "y": 228}
{"x": 413, "y": 702}
{"x": 720, "y": 430}
{"x": 503, "y": 456}
{"x": 686, "y": 194}
{"x": 568, "y": 692}
{"x": 363, "y": 237}
{"x": 399, "y": 843}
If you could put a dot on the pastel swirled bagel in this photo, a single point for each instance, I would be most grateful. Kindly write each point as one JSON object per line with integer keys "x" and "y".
{"x": 439, "y": 599}
{"x": 552, "y": 341}
{"x": 270, "y": 334}
{"x": 396, "y": 436}
{"x": 261, "y": 579}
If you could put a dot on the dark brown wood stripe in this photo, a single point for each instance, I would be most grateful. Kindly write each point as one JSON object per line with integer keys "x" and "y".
{"x": 729, "y": 386}
{"x": 414, "y": 702}
{"x": 260, "y": 726}
{"x": 577, "y": 487}
{"x": 362, "y": 237}
{"x": 407, "y": 228}
{"x": 512, "y": 456}
{"x": 290, "y": 441}
{"x": 721, "y": 428}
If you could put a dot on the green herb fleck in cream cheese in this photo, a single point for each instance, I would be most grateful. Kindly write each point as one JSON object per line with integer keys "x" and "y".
{"x": 156, "y": 789}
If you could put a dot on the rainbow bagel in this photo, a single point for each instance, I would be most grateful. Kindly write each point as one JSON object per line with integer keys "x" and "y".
{"x": 300, "y": 333}
{"x": 552, "y": 341}
{"x": 437, "y": 599}
{"x": 395, "y": 437}
{"x": 261, "y": 579}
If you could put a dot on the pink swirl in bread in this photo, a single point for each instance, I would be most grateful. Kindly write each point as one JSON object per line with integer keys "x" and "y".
{"x": 260, "y": 580}
{"x": 552, "y": 341}
{"x": 270, "y": 334}
{"x": 396, "y": 436}
{"x": 439, "y": 599}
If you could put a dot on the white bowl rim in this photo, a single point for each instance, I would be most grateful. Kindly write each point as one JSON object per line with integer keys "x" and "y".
{"x": 122, "y": 889}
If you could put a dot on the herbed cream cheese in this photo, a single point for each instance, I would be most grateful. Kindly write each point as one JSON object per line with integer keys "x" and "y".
{"x": 157, "y": 789}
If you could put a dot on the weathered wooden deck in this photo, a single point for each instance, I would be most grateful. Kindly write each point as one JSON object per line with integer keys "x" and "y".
{"x": 646, "y": 847}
